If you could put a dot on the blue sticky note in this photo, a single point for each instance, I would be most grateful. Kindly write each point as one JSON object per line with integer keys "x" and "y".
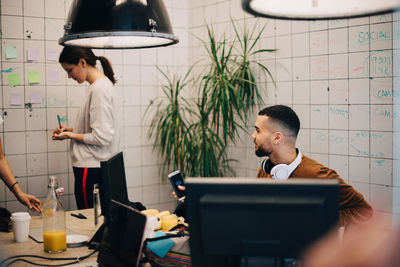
{"x": 161, "y": 247}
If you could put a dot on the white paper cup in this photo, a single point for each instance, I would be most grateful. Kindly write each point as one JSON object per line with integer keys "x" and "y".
{"x": 20, "y": 225}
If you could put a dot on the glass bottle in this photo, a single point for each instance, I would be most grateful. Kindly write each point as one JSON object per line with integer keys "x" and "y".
{"x": 54, "y": 231}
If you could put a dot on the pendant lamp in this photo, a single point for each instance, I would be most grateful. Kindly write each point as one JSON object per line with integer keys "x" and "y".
{"x": 318, "y": 9}
{"x": 118, "y": 24}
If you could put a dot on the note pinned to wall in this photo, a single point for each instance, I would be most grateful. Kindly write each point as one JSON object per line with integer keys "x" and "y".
{"x": 32, "y": 54}
{"x": 13, "y": 79}
{"x": 11, "y": 52}
{"x": 35, "y": 98}
{"x": 51, "y": 54}
{"x": 33, "y": 77}
{"x": 16, "y": 99}
{"x": 52, "y": 76}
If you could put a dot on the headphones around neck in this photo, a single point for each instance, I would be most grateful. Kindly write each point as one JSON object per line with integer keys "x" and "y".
{"x": 281, "y": 171}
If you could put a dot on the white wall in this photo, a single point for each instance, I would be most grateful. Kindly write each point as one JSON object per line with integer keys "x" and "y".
{"x": 348, "y": 128}
{"x": 338, "y": 76}
{"x": 26, "y": 135}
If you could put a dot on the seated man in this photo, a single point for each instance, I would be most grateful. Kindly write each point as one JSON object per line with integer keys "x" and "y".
{"x": 275, "y": 136}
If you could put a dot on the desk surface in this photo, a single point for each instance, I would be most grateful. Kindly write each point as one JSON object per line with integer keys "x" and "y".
{"x": 81, "y": 226}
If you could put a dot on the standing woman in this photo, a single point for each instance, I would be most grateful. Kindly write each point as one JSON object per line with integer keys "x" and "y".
{"x": 94, "y": 136}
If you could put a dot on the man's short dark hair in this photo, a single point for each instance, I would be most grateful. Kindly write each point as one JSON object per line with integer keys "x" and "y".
{"x": 283, "y": 115}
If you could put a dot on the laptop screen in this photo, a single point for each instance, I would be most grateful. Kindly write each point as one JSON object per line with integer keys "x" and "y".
{"x": 113, "y": 182}
{"x": 123, "y": 236}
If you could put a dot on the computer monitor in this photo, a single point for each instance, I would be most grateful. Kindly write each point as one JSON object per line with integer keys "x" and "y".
{"x": 234, "y": 221}
{"x": 113, "y": 182}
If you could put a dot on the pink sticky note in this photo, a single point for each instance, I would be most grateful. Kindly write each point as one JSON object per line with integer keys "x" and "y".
{"x": 16, "y": 99}
{"x": 35, "y": 98}
{"x": 52, "y": 76}
{"x": 32, "y": 54}
{"x": 51, "y": 54}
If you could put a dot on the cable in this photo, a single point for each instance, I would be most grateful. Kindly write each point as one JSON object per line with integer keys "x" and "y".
{"x": 19, "y": 258}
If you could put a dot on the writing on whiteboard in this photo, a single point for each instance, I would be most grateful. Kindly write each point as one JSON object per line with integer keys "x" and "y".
{"x": 364, "y": 37}
{"x": 364, "y": 135}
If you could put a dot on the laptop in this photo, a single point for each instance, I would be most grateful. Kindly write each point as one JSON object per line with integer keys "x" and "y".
{"x": 123, "y": 237}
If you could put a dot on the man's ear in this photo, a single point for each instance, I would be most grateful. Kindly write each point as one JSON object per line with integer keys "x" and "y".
{"x": 278, "y": 138}
{"x": 82, "y": 61}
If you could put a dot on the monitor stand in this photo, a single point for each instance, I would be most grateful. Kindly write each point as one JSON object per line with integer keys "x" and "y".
{"x": 94, "y": 243}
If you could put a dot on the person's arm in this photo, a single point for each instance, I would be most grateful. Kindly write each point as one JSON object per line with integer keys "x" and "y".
{"x": 354, "y": 209}
{"x": 101, "y": 122}
{"x": 69, "y": 135}
{"x": 101, "y": 118}
{"x": 7, "y": 176}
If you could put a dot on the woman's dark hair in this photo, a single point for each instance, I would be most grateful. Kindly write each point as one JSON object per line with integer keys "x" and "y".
{"x": 72, "y": 55}
{"x": 283, "y": 115}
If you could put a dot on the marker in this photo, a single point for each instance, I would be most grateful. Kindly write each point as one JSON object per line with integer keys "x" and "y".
{"x": 79, "y": 216}
{"x": 59, "y": 122}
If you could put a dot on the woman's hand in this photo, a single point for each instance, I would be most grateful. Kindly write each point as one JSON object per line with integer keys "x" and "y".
{"x": 30, "y": 201}
{"x": 62, "y": 133}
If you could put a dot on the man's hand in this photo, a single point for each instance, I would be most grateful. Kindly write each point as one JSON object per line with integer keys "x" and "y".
{"x": 181, "y": 187}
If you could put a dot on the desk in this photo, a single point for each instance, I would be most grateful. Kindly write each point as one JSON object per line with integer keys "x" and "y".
{"x": 81, "y": 226}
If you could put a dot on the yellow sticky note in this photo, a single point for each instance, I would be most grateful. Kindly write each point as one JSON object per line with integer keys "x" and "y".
{"x": 13, "y": 79}
{"x": 33, "y": 77}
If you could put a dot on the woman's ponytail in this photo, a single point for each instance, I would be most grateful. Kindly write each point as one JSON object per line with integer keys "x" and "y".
{"x": 107, "y": 68}
{"x": 72, "y": 55}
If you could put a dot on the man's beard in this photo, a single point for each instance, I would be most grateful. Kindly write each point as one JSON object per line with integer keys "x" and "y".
{"x": 262, "y": 153}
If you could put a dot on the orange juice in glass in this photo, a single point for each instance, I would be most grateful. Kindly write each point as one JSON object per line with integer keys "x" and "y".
{"x": 54, "y": 241}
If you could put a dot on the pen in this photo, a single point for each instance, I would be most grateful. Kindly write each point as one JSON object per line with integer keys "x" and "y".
{"x": 80, "y": 216}
{"x": 59, "y": 122}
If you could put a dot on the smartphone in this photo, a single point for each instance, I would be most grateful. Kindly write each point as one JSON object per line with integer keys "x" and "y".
{"x": 176, "y": 179}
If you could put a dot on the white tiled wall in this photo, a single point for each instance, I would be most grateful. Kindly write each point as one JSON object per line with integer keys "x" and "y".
{"x": 338, "y": 76}
{"x": 26, "y": 134}
{"x": 329, "y": 72}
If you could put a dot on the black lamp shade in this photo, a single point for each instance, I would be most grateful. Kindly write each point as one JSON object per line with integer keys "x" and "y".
{"x": 118, "y": 24}
{"x": 318, "y": 9}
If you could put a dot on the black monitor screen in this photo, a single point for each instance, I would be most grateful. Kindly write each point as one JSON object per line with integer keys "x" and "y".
{"x": 113, "y": 182}
{"x": 231, "y": 219}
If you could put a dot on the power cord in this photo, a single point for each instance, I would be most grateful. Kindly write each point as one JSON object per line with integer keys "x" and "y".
{"x": 20, "y": 258}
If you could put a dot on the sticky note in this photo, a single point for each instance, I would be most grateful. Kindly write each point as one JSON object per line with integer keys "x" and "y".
{"x": 160, "y": 247}
{"x": 11, "y": 52}
{"x": 13, "y": 79}
{"x": 33, "y": 77}
{"x": 35, "y": 98}
{"x": 32, "y": 54}
{"x": 51, "y": 54}
{"x": 52, "y": 76}
{"x": 16, "y": 99}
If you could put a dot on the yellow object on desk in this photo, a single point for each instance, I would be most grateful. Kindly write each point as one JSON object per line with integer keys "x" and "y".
{"x": 54, "y": 241}
{"x": 168, "y": 222}
{"x": 152, "y": 212}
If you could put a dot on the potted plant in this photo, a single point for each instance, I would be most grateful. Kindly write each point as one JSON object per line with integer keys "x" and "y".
{"x": 193, "y": 137}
